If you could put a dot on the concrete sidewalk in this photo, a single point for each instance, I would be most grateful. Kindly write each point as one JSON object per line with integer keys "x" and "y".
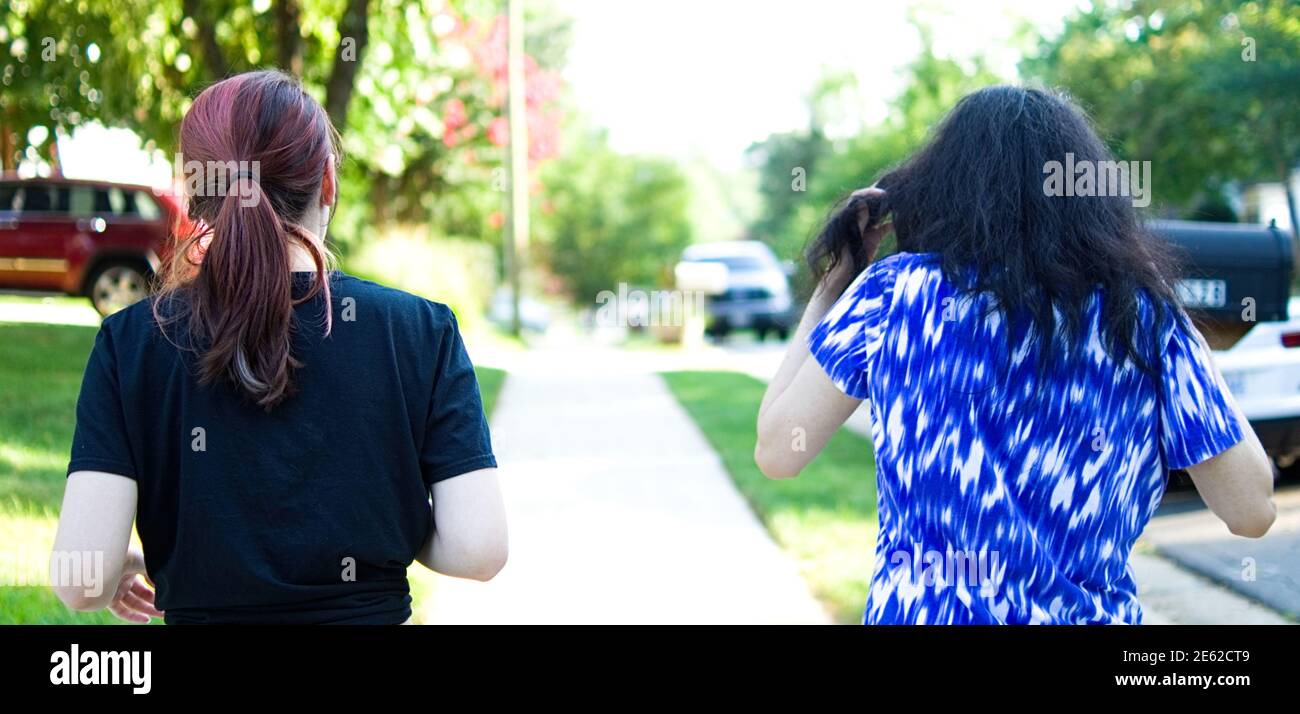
{"x": 619, "y": 510}
{"x": 1171, "y": 595}
{"x": 1264, "y": 572}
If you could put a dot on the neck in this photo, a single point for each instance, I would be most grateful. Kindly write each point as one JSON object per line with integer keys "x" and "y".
{"x": 300, "y": 261}
{"x": 299, "y": 257}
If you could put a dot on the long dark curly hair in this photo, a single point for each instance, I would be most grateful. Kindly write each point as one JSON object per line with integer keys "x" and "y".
{"x": 975, "y": 196}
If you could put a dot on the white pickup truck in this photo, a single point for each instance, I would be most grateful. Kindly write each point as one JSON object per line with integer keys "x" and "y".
{"x": 1237, "y": 287}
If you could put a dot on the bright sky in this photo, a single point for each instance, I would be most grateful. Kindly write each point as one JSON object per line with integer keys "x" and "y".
{"x": 683, "y": 77}
{"x": 112, "y": 155}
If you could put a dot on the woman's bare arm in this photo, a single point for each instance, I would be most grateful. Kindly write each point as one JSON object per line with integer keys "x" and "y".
{"x": 93, "y": 566}
{"x": 802, "y": 408}
{"x": 1237, "y": 484}
{"x": 468, "y": 537}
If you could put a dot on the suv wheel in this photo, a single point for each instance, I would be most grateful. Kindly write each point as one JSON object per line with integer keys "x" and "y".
{"x": 117, "y": 285}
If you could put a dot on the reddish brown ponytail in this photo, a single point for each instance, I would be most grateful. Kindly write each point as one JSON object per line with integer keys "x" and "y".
{"x": 254, "y": 149}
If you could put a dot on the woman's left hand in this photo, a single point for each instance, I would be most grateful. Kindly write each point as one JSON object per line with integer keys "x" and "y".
{"x": 844, "y": 272}
{"x": 870, "y": 238}
{"x": 133, "y": 601}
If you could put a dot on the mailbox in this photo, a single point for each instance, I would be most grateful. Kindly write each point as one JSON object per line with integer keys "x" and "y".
{"x": 1229, "y": 267}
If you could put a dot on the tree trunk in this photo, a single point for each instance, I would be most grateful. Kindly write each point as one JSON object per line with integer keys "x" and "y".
{"x": 213, "y": 58}
{"x": 7, "y": 148}
{"x": 288, "y": 16}
{"x": 354, "y": 33}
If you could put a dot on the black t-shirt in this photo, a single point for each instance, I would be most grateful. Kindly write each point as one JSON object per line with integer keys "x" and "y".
{"x": 312, "y": 512}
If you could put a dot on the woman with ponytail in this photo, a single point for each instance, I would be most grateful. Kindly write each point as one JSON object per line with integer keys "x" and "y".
{"x": 1030, "y": 378}
{"x": 286, "y": 438}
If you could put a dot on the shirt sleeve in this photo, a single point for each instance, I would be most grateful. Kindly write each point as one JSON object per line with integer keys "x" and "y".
{"x": 1197, "y": 419}
{"x": 99, "y": 442}
{"x": 846, "y": 340}
{"x": 457, "y": 439}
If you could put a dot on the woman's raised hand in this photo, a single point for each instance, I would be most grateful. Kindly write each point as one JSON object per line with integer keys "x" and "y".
{"x": 871, "y": 239}
{"x": 845, "y": 269}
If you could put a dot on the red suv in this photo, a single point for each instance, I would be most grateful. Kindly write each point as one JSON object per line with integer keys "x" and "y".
{"x": 90, "y": 238}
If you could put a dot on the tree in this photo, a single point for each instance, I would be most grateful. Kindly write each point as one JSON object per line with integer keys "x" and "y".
{"x": 791, "y": 212}
{"x": 785, "y": 162}
{"x": 606, "y": 218}
{"x": 137, "y": 63}
{"x": 415, "y": 88}
{"x": 1204, "y": 90}
{"x": 46, "y": 71}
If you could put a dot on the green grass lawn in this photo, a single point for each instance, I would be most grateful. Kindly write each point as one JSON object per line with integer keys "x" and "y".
{"x": 825, "y": 518}
{"x": 489, "y": 386}
{"x": 40, "y": 376}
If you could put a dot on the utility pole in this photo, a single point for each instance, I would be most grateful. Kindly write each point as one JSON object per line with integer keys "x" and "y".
{"x": 516, "y": 242}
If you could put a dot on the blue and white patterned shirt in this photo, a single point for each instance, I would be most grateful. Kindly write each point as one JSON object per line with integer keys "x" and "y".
{"x": 1004, "y": 497}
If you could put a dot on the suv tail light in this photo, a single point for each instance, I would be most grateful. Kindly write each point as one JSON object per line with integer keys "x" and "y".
{"x": 1291, "y": 339}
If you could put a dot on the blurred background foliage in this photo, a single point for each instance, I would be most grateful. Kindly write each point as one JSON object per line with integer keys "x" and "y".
{"x": 833, "y": 167}
{"x": 420, "y": 104}
{"x": 1164, "y": 80}
{"x": 417, "y": 90}
{"x": 1204, "y": 89}
{"x": 606, "y": 217}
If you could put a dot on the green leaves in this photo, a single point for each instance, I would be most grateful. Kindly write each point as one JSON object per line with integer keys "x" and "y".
{"x": 392, "y": 67}
{"x": 1175, "y": 83}
{"x": 607, "y": 218}
{"x": 791, "y": 213}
